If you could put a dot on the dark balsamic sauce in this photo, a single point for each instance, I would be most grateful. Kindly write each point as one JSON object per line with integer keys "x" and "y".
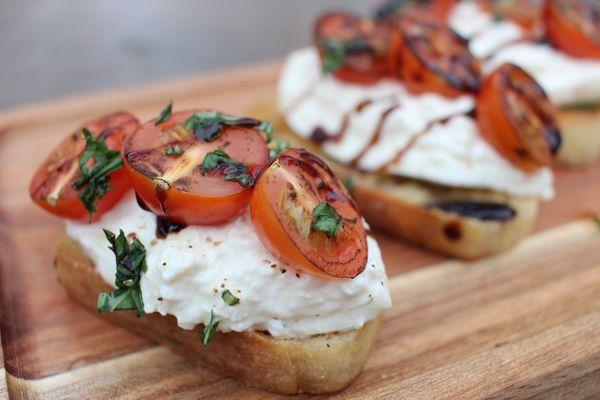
{"x": 484, "y": 211}
{"x": 164, "y": 226}
{"x": 141, "y": 203}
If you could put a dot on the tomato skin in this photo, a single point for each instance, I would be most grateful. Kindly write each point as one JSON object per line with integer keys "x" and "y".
{"x": 526, "y": 139}
{"x": 420, "y": 61}
{"x": 363, "y": 67}
{"x": 207, "y": 199}
{"x": 281, "y": 209}
{"x": 114, "y": 128}
{"x": 567, "y": 35}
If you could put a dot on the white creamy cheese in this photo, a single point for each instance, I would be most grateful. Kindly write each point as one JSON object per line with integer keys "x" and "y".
{"x": 188, "y": 271}
{"x": 451, "y": 153}
{"x": 567, "y": 80}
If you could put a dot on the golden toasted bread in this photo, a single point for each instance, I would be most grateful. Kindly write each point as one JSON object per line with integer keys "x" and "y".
{"x": 406, "y": 207}
{"x": 317, "y": 364}
{"x": 580, "y": 128}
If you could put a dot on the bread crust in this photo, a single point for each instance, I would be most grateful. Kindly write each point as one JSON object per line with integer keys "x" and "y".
{"x": 401, "y": 206}
{"x": 318, "y": 364}
{"x": 580, "y": 129}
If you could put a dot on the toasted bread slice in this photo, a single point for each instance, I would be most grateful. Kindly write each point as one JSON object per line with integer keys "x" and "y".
{"x": 580, "y": 128}
{"x": 403, "y": 207}
{"x": 317, "y": 364}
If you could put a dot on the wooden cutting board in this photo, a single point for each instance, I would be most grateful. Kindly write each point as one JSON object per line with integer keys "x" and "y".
{"x": 519, "y": 325}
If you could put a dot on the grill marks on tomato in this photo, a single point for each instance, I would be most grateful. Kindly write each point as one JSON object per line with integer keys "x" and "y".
{"x": 177, "y": 187}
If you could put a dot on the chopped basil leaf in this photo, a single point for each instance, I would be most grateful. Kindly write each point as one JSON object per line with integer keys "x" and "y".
{"x": 277, "y": 146}
{"x": 327, "y": 219}
{"x": 208, "y": 126}
{"x": 336, "y": 51}
{"x": 131, "y": 262}
{"x": 209, "y": 330}
{"x": 229, "y": 298}
{"x": 348, "y": 184}
{"x": 174, "y": 151}
{"x": 165, "y": 114}
{"x": 232, "y": 170}
{"x": 95, "y": 179}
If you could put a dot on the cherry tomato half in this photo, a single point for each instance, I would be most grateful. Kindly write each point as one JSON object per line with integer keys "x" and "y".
{"x": 574, "y": 26}
{"x": 355, "y": 50}
{"x": 517, "y": 118}
{"x": 282, "y": 206}
{"x": 429, "y": 57}
{"x": 164, "y": 163}
{"x": 435, "y": 9}
{"x": 51, "y": 186}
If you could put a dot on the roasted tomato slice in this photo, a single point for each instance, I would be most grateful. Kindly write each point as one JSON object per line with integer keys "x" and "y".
{"x": 52, "y": 185}
{"x": 526, "y": 13}
{"x": 436, "y": 9}
{"x": 285, "y": 209}
{"x": 353, "y": 49}
{"x": 517, "y": 118}
{"x": 166, "y": 164}
{"x": 429, "y": 57}
{"x": 574, "y": 26}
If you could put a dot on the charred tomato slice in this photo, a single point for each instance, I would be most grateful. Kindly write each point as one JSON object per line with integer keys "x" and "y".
{"x": 288, "y": 201}
{"x": 52, "y": 185}
{"x": 516, "y": 117}
{"x": 195, "y": 177}
{"x": 574, "y": 26}
{"x": 429, "y": 57}
{"x": 353, "y": 49}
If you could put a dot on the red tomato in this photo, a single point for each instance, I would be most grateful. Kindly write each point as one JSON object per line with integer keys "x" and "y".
{"x": 429, "y": 57}
{"x": 574, "y": 26}
{"x": 517, "y": 118}
{"x": 175, "y": 186}
{"x": 355, "y": 49}
{"x": 282, "y": 206}
{"x": 51, "y": 186}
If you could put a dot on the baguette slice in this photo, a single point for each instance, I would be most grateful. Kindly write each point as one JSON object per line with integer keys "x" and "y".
{"x": 401, "y": 207}
{"x": 580, "y": 129}
{"x": 317, "y": 364}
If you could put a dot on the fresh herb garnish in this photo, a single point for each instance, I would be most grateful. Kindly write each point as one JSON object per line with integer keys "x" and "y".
{"x": 390, "y": 7}
{"x": 208, "y": 126}
{"x": 131, "y": 262}
{"x": 277, "y": 146}
{"x": 232, "y": 170}
{"x": 229, "y": 298}
{"x": 165, "y": 114}
{"x": 174, "y": 151}
{"x": 209, "y": 330}
{"x": 96, "y": 178}
{"x": 336, "y": 51}
{"x": 582, "y": 106}
{"x": 348, "y": 183}
{"x": 327, "y": 219}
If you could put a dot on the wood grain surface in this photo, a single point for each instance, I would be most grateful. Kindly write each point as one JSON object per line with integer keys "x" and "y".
{"x": 522, "y": 324}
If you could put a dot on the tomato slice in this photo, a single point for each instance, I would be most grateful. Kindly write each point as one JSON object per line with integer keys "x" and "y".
{"x": 574, "y": 26}
{"x": 429, "y": 57}
{"x": 282, "y": 206}
{"x": 436, "y": 9}
{"x": 173, "y": 183}
{"x": 354, "y": 49}
{"x": 526, "y": 13}
{"x": 517, "y": 118}
{"x": 51, "y": 186}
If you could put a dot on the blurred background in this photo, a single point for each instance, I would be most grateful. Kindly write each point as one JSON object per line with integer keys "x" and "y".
{"x": 52, "y": 48}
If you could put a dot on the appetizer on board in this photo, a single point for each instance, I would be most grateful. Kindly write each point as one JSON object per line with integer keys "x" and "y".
{"x": 197, "y": 230}
{"x": 434, "y": 149}
{"x": 556, "y": 41}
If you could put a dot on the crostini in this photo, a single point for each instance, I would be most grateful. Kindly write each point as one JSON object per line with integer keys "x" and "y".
{"x": 246, "y": 255}
{"x": 556, "y": 41}
{"x": 433, "y": 149}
